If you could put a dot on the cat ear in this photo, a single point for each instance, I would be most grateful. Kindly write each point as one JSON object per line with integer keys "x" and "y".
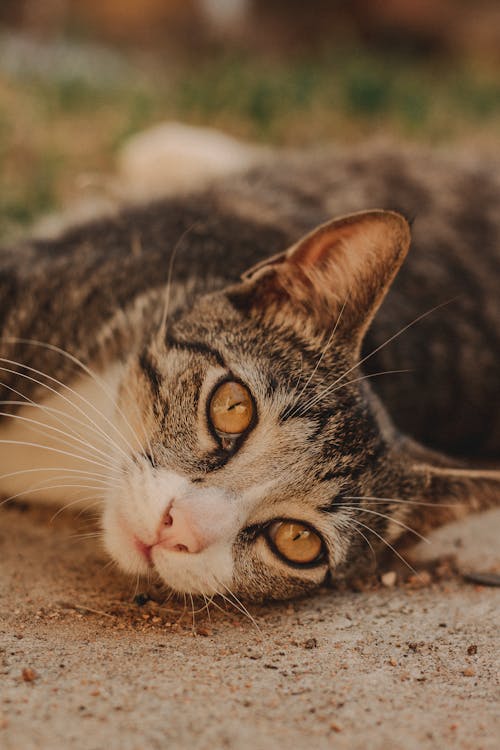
{"x": 339, "y": 272}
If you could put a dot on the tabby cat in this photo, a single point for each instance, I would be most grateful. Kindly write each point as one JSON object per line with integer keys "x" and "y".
{"x": 245, "y": 385}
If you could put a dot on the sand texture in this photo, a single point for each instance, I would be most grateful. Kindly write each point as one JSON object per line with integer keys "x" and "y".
{"x": 84, "y": 665}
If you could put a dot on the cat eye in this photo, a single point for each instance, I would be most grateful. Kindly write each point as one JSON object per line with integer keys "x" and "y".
{"x": 296, "y": 542}
{"x": 231, "y": 410}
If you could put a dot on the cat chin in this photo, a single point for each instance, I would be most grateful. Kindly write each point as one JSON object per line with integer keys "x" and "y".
{"x": 207, "y": 573}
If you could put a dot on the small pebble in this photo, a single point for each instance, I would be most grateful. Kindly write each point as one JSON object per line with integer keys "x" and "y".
{"x": 469, "y": 672}
{"x": 311, "y": 643}
{"x": 389, "y": 579}
{"x": 28, "y": 674}
{"x": 472, "y": 649}
{"x": 203, "y": 631}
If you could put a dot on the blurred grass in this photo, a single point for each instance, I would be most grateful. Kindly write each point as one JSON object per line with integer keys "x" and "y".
{"x": 56, "y": 128}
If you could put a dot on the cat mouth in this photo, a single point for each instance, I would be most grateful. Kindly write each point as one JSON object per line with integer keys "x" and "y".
{"x": 146, "y": 550}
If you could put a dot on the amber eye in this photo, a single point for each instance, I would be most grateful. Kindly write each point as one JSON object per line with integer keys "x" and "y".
{"x": 296, "y": 542}
{"x": 231, "y": 409}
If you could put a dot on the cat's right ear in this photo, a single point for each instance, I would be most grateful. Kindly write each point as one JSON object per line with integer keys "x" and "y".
{"x": 336, "y": 275}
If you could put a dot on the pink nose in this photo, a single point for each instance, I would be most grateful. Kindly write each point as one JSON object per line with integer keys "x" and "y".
{"x": 177, "y": 533}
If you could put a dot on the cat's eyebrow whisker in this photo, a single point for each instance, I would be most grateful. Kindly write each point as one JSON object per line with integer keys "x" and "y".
{"x": 385, "y": 500}
{"x": 293, "y": 409}
{"x": 164, "y": 317}
{"x": 388, "y": 544}
{"x": 330, "y": 389}
{"x": 295, "y": 389}
{"x": 67, "y": 400}
{"x": 388, "y": 518}
{"x": 89, "y": 372}
{"x": 381, "y": 346}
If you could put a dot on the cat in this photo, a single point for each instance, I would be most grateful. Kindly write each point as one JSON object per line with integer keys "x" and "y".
{"x": 261, "y": 397}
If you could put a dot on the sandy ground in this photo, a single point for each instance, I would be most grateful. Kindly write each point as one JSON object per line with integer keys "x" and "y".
{"x": 83, "y": 665}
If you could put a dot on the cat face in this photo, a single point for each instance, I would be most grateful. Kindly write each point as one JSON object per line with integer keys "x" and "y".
{"x": 255, "y": 425}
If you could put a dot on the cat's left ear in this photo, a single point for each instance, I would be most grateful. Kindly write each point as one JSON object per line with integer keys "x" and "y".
{"x": 340, "y": 272}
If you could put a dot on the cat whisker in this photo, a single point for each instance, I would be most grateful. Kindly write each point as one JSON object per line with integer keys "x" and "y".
{"x": 330, "y": 388}
{"x": 67, "y": 400}
{"x": 84, "y": 511}
{"x": 193, "y": 614}
{"x": 385, "y": 500}
{"x": 77, "y": 472}
{"x": 85, "y": 536}
{"x": 28, "y": 444}
{"x": 318, "y": 363}
{"x": 168, "y": 288}
{"x": 77, "y": 502}
{"x": 137, "y": 582}
{"x": 240, "y": 606}
{"x": 388, "y": 544}
{"x": 37, "y": 488}
{"x": 93, "y": 450}
{"x": 383, "y": 345}
{"x": 388, "y": 518}
{"x": 366, "y": 540}
{"x": 29, "y": 403}
{"x": 293, "y": 395}
{"x": 75, "y": 360}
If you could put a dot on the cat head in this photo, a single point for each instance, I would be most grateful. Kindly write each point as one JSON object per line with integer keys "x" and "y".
{"x": 257, "y": 426}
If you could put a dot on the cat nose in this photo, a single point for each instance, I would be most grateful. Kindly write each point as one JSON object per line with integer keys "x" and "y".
{"x": 177, "y": 532}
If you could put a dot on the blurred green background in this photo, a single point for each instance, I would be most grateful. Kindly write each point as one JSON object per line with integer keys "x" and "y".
{"x": 78, "y": 77}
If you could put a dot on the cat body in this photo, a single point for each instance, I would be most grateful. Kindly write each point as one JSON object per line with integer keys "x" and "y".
{"x": 332, "y": 443}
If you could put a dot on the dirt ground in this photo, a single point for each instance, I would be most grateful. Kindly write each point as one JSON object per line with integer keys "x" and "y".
{"x": 86, "y": 664}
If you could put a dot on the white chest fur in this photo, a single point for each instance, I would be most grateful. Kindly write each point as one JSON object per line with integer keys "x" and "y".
{"x": 61, "y": 449}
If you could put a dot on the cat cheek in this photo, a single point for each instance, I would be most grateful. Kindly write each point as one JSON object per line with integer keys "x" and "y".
{"x": 119, "y": 544}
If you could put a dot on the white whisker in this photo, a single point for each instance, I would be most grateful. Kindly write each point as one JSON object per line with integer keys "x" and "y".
{"x": 330, "y": 388}
{"x": 386, "y": 500}
{"x": 239, "y": 605}
{"x": 67, "y": 400}
{"x": 78, "y": 472}
{"x": 93, "y": 450}
{"x": 28, "y": 444}
{"x": 37, "y": 488}
{"x": 91, "y": 373}
{"x": 292, "y": 411}
{"x": 388, "y": 518}
{"x": 378, "y": 348}
{"x": 388, "y": 544}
